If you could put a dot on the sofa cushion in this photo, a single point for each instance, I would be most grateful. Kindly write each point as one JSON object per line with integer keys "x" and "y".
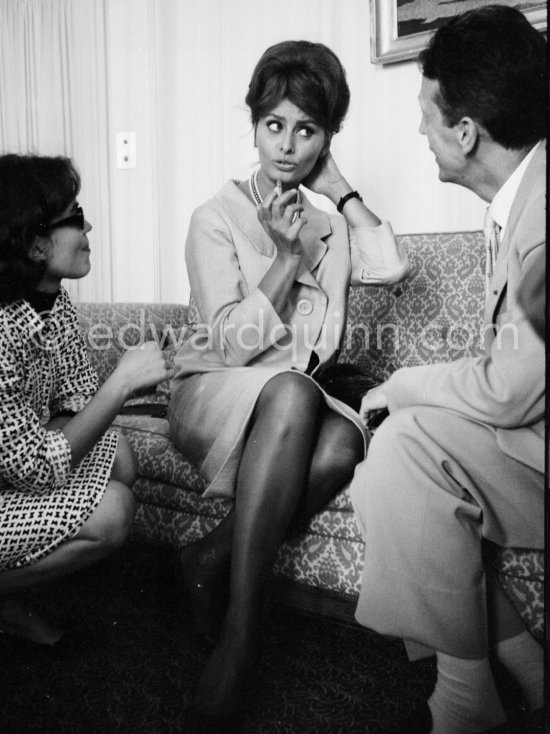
{"x": 169, "y": 515}
{"x": 157, "y": 457}
{"x": 521, "y": 573}
{"x": 109, "y": 329}
{"x": 433, "y": 316}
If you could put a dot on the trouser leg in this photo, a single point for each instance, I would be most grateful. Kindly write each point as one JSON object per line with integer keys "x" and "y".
{"x": 432, "y": 486}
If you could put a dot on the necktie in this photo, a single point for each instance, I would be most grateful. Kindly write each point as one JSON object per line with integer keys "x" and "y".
{"x": 491, "y": 231}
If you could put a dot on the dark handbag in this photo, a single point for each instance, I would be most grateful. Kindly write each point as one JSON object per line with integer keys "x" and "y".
{"x": 348, "y": 383}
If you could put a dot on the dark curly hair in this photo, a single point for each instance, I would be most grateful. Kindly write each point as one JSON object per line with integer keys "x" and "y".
{"x": 491, "y": 65}
{"x": 33, "y": 190}
{"x": 308, "y": 74}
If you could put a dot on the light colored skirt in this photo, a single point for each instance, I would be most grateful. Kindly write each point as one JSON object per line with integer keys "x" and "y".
{"x": 209, "y": 415}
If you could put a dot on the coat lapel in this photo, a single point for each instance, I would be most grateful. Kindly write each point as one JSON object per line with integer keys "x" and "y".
{"x": 312, "y": 234}
{"x": 525, "y": 192}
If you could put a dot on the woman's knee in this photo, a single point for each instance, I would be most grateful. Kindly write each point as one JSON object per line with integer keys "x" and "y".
{"x": 339, "y": 449}
{"x": 110, "y": 523}
{"x": 289, "y": 397}
{"x": 125, "y": 468}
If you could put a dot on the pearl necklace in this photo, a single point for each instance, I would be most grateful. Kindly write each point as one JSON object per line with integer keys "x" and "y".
{"x": 255, "y": 190}
{"x": 253, "y": 186}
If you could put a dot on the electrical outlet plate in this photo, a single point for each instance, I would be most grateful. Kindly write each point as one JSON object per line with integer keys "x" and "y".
{"x": 126, "y": 150}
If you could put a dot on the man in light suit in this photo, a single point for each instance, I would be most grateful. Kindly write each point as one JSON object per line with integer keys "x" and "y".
{"x": 460, "y": 459}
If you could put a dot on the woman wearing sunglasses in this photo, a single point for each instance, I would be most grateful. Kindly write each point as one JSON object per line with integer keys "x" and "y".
{"x": 65, "y": 499}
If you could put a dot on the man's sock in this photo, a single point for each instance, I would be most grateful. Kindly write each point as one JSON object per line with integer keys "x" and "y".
{"x": 523, "y": 657}
{"x": 465, "y": 699}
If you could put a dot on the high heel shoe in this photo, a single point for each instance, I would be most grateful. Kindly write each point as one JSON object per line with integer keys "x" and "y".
{"x": 18, "y": 620}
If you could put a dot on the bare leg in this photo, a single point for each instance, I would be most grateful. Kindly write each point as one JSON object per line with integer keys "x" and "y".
{"x": 104, "y": 531}
{"x": 125, "y": 469}
{"x": 272, "y": 477}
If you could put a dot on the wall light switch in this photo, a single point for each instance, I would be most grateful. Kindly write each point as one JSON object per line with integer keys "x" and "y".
{"x": 126, "y": 150}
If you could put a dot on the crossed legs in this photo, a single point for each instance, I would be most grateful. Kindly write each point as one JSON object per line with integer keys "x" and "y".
{"x": 297, "y": 456}
{"x": 432, "y": 487}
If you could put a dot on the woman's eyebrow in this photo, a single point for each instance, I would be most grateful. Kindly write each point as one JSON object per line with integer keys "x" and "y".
{"x": 302, "y": 121}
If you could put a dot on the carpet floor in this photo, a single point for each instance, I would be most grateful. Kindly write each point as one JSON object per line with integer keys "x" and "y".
{"x": 130, "y": 659}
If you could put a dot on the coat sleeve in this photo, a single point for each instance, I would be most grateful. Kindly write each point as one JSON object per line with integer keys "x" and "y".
{"x": 31, "y": 458}
{"x": 239, "y": 324}
{"x": 376, "y": 256}
{"x": 76, "y": 380}
{"x": 504, "y": 388}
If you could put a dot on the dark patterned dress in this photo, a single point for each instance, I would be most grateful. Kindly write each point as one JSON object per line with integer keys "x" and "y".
{"x": 44, "y": 372}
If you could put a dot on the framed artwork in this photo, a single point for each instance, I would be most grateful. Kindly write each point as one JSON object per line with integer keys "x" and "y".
{"x": 401, "y": 28}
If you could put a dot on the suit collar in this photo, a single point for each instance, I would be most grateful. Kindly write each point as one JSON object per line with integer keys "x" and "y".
{"x": 503, "y": 200}
{"x": 534, "y": 176}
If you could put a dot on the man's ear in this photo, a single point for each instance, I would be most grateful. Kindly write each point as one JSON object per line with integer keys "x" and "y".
{"x": 467, "y": 134}
{"x": 39, "y": 249}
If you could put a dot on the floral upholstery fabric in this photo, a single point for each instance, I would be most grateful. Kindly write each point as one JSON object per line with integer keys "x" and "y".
{"x": 171, "y": 525}
{"x": 434, "y": 316}
{"x": 159, "y": 460}
{"x": 521, "y": 572}
{"x": 111, "y": 328}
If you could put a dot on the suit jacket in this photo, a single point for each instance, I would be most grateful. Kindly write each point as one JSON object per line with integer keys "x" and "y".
{"x": 228, "y": 253}
{"x": 504, "y": 388}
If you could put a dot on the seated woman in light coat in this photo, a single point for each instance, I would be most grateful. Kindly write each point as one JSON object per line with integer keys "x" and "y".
{"x": 270, "y": 275}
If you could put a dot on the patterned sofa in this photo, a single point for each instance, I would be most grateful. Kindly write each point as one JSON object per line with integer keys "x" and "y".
{"x": 432, "y": 317}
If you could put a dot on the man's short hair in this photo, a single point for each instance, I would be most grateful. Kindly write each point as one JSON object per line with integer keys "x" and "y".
{"x": 491, "y": 65}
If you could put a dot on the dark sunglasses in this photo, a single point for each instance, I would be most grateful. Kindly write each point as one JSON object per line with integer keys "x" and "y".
{"x": 75, "y": 220}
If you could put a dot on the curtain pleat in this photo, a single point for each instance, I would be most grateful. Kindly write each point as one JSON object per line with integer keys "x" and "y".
{"x": 53, "y": 101}
{"x": 73, "y": 73}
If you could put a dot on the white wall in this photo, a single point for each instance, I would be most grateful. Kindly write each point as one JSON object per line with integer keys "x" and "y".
{"x": 178, "y": 71}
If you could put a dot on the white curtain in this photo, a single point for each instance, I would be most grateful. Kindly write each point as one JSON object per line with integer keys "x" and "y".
{"x": 207, "y": 50}
{"x": 53, "y": 101}
{"x": 73, "y": 73}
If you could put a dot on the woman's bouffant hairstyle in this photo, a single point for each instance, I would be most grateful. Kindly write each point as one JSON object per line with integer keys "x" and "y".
{"x": 33, "y": 190}
{"x": 491, "y": 65}
{"x": 309, "y": 75}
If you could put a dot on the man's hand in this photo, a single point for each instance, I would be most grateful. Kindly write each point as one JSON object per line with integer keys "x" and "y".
{"x": 373, "y": 402}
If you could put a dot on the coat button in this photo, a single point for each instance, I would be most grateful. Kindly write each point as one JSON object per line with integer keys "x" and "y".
{"x": 305, "y": 307}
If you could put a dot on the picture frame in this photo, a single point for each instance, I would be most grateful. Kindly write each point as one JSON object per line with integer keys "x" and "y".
{"x": 389, "y": 44}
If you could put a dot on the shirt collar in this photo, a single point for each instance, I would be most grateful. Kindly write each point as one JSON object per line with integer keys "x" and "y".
{"x": 502, "y": 202}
